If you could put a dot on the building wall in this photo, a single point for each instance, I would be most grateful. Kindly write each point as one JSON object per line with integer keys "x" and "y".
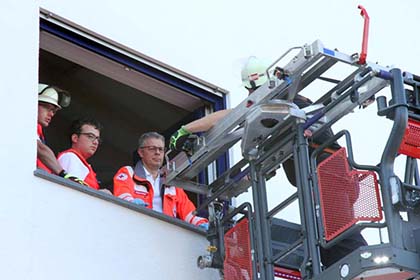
{"x": 18, "y": 80}
{"x": 49, "y": 231}
{"x": 77, "y": 236}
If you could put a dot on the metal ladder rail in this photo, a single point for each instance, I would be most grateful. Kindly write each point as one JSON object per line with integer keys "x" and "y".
{"x": 286, "y": 113}
{"x": 322, "y": 59}
{"x": 332, "y": 113}
{"x": 373, "y": 85}
{"x": 279, "y": 147}
{"x": 214, "y": 144}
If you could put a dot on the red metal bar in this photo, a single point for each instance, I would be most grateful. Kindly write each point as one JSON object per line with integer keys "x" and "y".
{"x": 286, "y": 273}
{"x": 363, "y": 54}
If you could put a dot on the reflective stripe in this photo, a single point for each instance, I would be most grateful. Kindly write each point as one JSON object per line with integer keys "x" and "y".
{"x": 189, "y": 217}
{"x": 192, "y": 219}
{"x": 196, "y": 220}
{"x": 126, "y": 196}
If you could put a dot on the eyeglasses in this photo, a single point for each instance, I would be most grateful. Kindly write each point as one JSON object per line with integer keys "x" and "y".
{"x": 92, "y": 137}
{"x": 154, "y": 149}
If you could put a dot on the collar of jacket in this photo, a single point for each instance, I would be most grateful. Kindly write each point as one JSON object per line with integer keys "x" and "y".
{"x": 140, "y": 172}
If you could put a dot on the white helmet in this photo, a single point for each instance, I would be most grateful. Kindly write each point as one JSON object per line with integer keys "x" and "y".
{"x": 53, "y": 95}
{"x": 254, "y": 73}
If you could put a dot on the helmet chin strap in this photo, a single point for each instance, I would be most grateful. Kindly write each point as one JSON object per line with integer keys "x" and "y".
{"x": 253, "y": 85}
{"x": 252, "y": 89}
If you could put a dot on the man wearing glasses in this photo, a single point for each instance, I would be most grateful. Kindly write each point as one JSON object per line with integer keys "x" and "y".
{"x": 144, "y": 184}
{"x": 85, "y": 139}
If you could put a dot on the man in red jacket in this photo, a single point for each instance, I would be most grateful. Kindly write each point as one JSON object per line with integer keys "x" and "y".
{"x": 85, "y": 139}
{"x": 50, "y": 101}
{"x": 144, "y": 184}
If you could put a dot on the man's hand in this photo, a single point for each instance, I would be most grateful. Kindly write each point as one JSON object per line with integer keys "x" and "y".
{"x": 65, "y": 175}
{"x": 179, "y": 138}
{"x": 140, "y": 202}
{"x": 76, "y": 179}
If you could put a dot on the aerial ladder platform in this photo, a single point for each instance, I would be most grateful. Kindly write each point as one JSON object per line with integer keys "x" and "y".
{"x": 337, "y": 197}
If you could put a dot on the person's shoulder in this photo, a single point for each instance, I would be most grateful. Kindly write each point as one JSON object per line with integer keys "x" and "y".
{"x": 68, "y": 155}
{"x": 178, "y": 190}
{"x": 125, "y": 168}
{"x": 72, "y": 164}
{"x": 124, "y": 172}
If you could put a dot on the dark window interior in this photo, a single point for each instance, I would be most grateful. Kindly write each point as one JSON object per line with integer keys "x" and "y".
{"x": 124, "y": 111}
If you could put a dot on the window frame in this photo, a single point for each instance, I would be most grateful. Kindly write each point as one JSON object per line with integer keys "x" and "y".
{"x": 215, "y": 97}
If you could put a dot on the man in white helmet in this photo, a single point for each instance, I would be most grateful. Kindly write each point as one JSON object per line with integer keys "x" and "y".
{"x": 50, "y": 100}
{"x": 253, "y": 76}
{"x": 48, "y": 106}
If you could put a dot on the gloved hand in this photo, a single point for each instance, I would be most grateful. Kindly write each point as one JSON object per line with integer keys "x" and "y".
{"x": 178, "y": 138}
{"x": 204, "y": 226}
{"x": 65, "y": 175}
{"x": 140, "y": 202}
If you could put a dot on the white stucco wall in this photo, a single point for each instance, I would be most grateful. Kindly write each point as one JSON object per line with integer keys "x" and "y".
{"x": 18, "y": 80}
{"x": 78, "y": 236}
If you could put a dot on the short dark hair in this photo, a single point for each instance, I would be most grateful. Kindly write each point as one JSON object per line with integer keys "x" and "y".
{"x": 76, "y": 125}
{"x": 148, "y": 135}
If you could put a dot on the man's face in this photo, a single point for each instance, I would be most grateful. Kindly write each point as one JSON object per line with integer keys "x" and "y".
{"x": 87, "y": 142}
{"x": 152, "y": 153}
{"x": 46, "y": 112}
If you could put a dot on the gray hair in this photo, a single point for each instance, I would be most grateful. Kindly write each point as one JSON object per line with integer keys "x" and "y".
{"x": 148, "y": 135}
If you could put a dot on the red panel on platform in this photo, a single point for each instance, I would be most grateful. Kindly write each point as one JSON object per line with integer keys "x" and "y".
{"x": 238, "y": 262}
{"x": 285, "y": 273}
{"x": 347, "y": 196}
{"x": 410, "y": 144}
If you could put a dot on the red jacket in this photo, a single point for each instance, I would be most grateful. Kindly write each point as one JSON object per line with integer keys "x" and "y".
{"x": 130, "y": 184}
{"x": 90, "y": 178}
{"x": 39, "y": 163}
